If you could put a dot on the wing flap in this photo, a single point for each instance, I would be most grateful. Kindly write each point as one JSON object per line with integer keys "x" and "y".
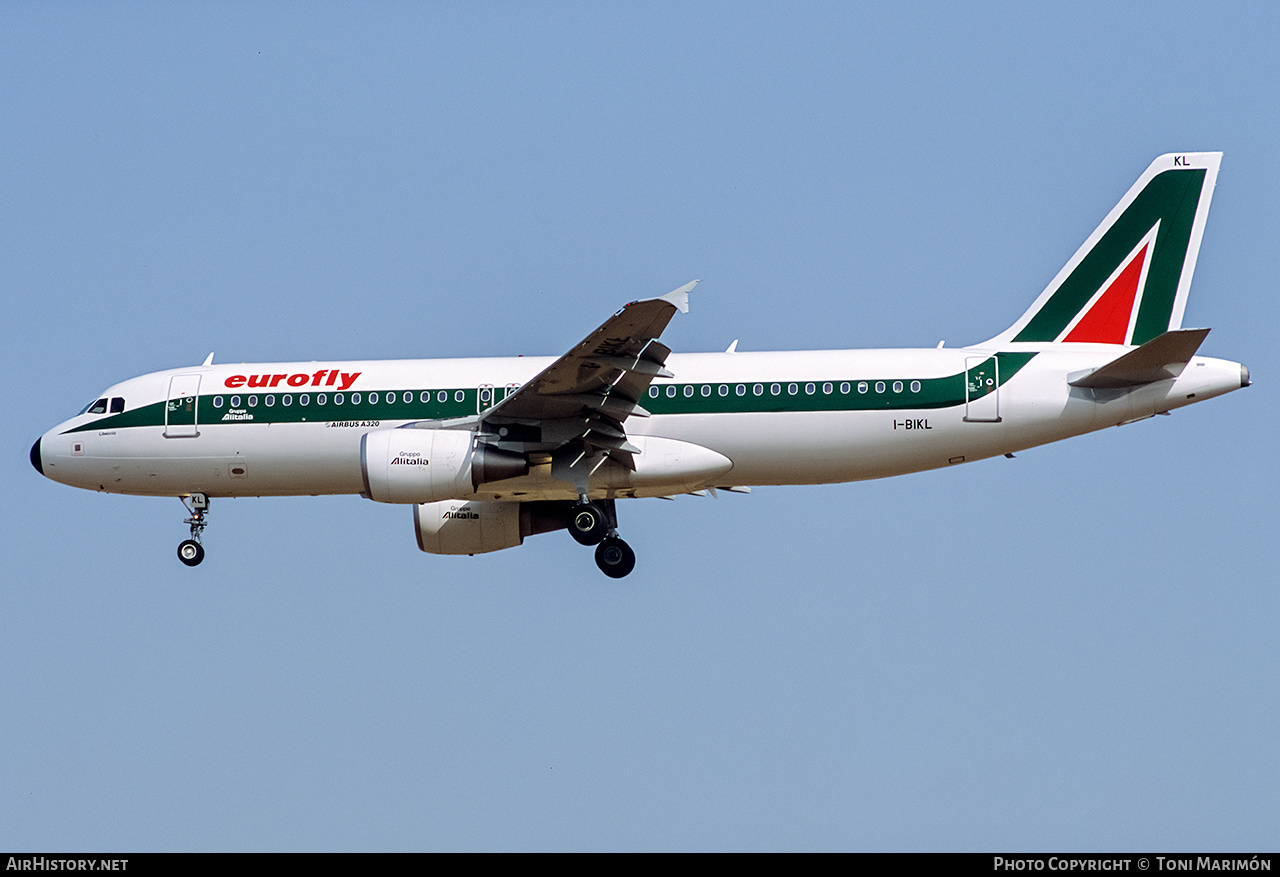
{"x": 639, "y": 364}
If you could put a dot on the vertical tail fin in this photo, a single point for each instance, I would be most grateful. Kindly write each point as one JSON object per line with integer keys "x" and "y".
{"x": 1128, "y": 282}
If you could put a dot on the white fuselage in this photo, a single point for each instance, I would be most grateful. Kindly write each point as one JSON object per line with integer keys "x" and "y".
{"x": 278, "y": 429}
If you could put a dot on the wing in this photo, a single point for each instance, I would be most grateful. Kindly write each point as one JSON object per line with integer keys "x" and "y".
{"x": 581, "y": 401}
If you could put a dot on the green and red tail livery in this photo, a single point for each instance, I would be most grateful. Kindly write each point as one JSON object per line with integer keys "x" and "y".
{"x": 1128, "y": 283}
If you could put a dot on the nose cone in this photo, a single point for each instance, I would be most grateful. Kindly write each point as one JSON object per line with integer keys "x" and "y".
{"x": 35, "y": 457}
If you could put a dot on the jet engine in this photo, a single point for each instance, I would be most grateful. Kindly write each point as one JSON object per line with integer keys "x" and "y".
{"x": 477, "y": 526}
{"x": 455, "y": 527}
{"x": 425, "y": 465}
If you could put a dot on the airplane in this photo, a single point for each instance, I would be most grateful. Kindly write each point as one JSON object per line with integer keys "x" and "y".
{"x": 488, "y": 452}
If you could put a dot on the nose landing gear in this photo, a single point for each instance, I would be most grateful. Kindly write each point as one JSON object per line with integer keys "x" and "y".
{"x": 191, "y": 552}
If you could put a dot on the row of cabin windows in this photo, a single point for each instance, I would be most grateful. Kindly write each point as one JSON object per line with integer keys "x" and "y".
{"x": 116, "y": 404}
{"x": 341, "y": 398}
{"x": 776, "y": 389}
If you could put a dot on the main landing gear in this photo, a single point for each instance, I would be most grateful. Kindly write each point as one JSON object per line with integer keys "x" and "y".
{"x": 592, "y": 524}
{"x": 191, "y": 552}
{"x": 615, "y": 557}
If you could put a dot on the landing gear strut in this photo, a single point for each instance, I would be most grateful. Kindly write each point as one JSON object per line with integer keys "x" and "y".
{"x": 592, "y": 524}
{"x": 191, "y": 552}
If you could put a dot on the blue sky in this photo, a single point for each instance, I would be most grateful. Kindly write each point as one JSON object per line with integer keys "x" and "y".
{"x": 1071, "y": 650}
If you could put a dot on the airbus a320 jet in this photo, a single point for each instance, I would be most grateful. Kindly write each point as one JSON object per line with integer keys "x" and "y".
{"x": 488, "y": 452}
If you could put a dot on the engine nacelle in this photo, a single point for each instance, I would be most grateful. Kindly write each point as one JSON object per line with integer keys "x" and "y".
{"x": 425, "y": 465}
{"x": 474, "y": 527}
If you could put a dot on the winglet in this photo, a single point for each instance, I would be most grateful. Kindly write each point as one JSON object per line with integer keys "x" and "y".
{"x": 680, "y": 297}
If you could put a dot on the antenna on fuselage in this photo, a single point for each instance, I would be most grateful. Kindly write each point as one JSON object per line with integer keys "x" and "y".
{"x": 208, "y": 360}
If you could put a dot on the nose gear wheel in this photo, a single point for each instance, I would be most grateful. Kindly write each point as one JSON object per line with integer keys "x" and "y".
{"x": 191, "y": 552}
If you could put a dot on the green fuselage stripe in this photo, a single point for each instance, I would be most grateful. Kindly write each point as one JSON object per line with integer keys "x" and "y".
{"x": 672, "y": 398}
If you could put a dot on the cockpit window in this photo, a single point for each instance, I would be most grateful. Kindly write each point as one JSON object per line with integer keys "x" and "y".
{"x": 117, "y": 404}
{"x": 99, "y": 407}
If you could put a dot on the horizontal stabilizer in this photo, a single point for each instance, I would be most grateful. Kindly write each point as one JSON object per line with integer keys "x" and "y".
{"x": 1160, "y": 359}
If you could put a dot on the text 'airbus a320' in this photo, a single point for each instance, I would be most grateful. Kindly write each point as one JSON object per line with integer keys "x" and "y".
{"x": 490, "y": 451}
